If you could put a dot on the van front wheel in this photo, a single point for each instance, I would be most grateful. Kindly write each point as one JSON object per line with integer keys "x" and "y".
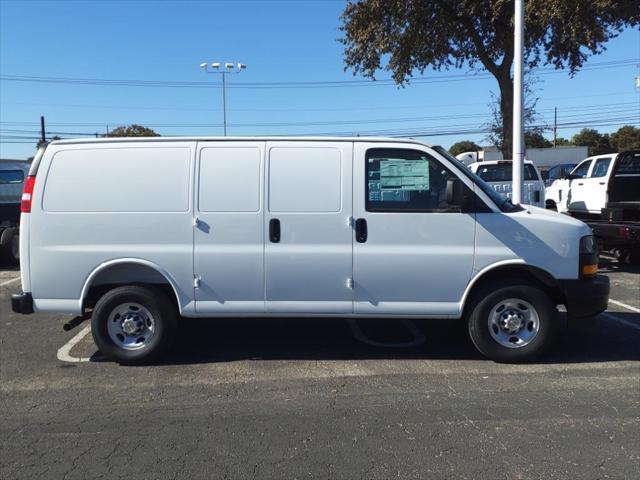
{"x": 133, "y": 325}
{"x": 512, "y": 323}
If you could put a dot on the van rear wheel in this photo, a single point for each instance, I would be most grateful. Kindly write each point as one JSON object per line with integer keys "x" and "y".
{"x": 512, "y": 323}
{"x": 134, "y": 325}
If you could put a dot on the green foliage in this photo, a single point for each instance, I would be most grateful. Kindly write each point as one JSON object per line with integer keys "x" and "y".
{"x": 598, "y": 143}
{"x": 560, "y": 141}
{"x": 408, "y": 36}
{"x": 535, "y": 139}
{"x": 464, "y": 146}
{"x": 626, "y": 138}
{"x": 132, "y": 131}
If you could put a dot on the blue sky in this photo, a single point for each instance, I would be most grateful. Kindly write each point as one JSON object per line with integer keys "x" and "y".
{"x": 280, "y": 41}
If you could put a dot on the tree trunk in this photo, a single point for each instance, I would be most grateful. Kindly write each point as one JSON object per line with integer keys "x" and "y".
{"x": 506, "y": 109}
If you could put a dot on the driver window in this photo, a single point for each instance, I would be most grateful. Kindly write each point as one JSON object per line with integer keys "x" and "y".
{"x": 403, "y": 180}
{"x": 581, "y": 170}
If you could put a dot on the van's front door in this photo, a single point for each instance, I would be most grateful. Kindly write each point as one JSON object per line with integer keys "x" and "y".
{"x": 229, "y": 228}
{"x": 308, "y": 236}
{"x": 413, "y": 253}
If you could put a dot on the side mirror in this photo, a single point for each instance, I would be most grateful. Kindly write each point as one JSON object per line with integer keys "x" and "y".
{"x": 455, "y": 192}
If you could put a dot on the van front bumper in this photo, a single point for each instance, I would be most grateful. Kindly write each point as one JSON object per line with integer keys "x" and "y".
{"x": 22, "y": 303}
{"x": 586, "y": 298}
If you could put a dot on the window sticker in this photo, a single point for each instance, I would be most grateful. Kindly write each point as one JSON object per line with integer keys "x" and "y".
{"x": 394, "y": 180}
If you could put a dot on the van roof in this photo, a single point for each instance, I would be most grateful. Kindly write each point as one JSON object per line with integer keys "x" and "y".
{"x": 236, "y": 139}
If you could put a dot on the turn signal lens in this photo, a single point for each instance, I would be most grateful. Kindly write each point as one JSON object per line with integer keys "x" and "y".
{"x": 589, "y": 270}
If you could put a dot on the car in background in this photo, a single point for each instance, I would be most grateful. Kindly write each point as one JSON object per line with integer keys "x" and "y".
{"x": 557, "y": 172}
{"x": 12, "y": 176}
{"x": 498, "y": 174}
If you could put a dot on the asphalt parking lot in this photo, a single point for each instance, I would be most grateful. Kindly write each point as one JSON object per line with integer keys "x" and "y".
{"x": 322, "y": 398}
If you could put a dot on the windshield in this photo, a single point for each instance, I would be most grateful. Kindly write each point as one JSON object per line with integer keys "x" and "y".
{"x": 500, "y": 200}
{"x": 502, "y": 172}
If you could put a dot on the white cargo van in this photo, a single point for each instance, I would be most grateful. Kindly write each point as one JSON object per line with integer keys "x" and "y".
{"x": 139, "y": 232}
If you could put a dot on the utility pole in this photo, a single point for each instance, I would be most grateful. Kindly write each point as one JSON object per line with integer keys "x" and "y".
{"x": 42, "y": 132}
{"x": 517, "y": 144}
{"x": 224, "y": 71}
{"x": 555, "y": 125}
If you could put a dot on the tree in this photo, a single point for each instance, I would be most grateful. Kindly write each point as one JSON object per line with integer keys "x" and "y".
{"x": 412, "y": 35}
{"x": 464, "y": 146}
{"x": 626, "y": 138}
{"x": 529, "y": 117}
{"x": 132, "y": 131}
{"x": 598, "y": 143}
{"x": 561, "y": 141}
{"x": 535, "y": 139}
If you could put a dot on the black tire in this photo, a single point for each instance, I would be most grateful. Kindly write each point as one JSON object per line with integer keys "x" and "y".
{"x": 629, "y": 256}
{"x": 480, "y": 309}
{"x": 14, "y": 249}
{"x": 165, "y": 320}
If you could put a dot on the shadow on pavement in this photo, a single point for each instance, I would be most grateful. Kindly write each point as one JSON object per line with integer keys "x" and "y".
{"x": 225, "y": 340}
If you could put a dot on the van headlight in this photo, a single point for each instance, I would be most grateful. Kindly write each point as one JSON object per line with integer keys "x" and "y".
{"x": 588, "y": 257}
{"x": 588, "y": 245}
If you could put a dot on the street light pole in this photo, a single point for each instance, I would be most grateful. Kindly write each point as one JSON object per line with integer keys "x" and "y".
{"x": 517, "y": 143}
{"x": 224, "y": 105}
{"x": 226, "y": 69}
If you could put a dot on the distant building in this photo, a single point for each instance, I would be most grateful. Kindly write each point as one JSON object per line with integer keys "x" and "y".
{"x": 543, "y": 158}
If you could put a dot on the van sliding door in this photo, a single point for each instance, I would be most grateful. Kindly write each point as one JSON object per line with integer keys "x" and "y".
{"x": 308, "y": 235}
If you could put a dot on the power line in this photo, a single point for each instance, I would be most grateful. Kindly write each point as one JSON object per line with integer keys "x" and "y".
{"x": 295, "y": 85}
{"x": 566, "y": 112}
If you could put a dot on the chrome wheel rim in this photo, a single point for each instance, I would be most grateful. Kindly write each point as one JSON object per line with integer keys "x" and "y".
{"x": 131, "y": 326}
{"x": 513, "y": 323}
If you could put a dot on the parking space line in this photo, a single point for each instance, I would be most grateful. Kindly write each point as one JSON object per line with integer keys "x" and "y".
{"x": 612, "y": 316}
{"x": 9, "y": 281}
{"x": 418, "y": 337}
{"x": 624, "y": 305}
{"x": 63, "y": 352}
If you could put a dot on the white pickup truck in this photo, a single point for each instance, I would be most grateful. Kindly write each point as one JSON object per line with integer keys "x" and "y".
{"x": 604, "y": 191}
{"x": 498, "y": 174}
{"x": 584, "y": 190}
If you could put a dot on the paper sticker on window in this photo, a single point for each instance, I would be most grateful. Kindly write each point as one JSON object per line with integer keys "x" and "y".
{"x": 404, "y": 175}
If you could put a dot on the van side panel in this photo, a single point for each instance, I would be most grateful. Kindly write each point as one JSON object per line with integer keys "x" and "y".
{"x": 98, "y": 203}
{"x": 541, "y": 241}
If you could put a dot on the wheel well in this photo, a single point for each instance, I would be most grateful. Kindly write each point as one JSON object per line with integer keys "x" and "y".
{"x": 534, "y": 275}
{"x": 126, "y": 274}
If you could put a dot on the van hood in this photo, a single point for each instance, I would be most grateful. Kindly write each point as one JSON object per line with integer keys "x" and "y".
{"x": 554, "y": 217}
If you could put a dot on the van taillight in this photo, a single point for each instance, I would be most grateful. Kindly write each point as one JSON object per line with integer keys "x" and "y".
{"x": 27, "y": 194}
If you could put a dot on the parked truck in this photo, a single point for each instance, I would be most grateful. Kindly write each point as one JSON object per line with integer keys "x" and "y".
{"x": 604, "y": 191}
{"x": 12, "y": 175}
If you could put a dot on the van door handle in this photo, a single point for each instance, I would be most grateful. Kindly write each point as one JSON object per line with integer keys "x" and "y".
{"x": 602, "y": 183}
{"x": 581, "y": 184}
{"x": 361, "y": 230}
{"x": 274, "y": 230}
